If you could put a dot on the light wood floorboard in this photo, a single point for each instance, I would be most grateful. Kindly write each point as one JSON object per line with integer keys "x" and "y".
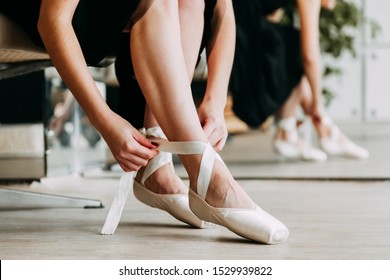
{"x": 327, "y": 220}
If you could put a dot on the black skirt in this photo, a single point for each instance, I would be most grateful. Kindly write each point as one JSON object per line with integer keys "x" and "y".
{"x": 267, "y": 64}
{"x": 98, "y": 24}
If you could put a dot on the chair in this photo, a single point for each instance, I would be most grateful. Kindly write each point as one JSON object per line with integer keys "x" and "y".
{"x": 19, "y": 56}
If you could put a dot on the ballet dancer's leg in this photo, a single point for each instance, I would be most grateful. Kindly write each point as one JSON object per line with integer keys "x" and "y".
{"x": 164, "y": 180}
{"x": 289, "y": 110}
{"x": 166, "y": 86}
{"x": 165, "y": 190}
{"x": 331, "y": 139}
{"x": 159, "y": 64}
{"x": 286, "y": 141}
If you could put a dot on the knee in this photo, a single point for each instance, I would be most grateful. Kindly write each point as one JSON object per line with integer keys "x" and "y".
{"x": 166, "y": 8}
{"x": 194, "y": 7}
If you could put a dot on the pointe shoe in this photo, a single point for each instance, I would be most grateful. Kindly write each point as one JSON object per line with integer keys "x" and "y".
{"x": 292, "y": 148}
{"x": 175, "y": 204}
{"x": 339, "y": 145}
{"x": 254, "y": 224}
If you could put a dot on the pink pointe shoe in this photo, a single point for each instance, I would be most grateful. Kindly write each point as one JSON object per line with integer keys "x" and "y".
{"x": 254, "y": 224}
{"x": 338, "y": 144}
{"x": 293, "y": 147}
{"x": 175, "y": 204}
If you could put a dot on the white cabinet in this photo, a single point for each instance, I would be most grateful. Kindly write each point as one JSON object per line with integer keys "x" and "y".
{"x": 377, "y": 63}
{"x": 378, "y": 10}
{"x": 377, "y": 107}
{"x": 363, "y": 90}
{"x": 346, "y": 106}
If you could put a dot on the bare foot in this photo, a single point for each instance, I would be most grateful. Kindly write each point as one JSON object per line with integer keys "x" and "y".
{"x": 163, "y": 181}
{"x": 225, "y": 192}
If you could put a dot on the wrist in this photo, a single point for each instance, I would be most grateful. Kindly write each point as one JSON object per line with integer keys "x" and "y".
{"x": 100, "y": 117}
{"x": 217, "y": 102}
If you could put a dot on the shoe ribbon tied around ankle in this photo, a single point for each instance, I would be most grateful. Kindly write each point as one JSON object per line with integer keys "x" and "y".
{"x": 127, "y": 178}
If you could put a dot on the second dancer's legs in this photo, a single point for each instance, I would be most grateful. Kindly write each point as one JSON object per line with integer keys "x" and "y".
{"x": 286, "y": 140}
{"x": 331, "y": 139}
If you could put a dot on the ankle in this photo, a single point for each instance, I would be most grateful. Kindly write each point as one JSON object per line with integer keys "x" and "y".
{"x": 155, "y": 131}
{"x": 323, "y": 130}
{"x": 164, "y": 181}
{"x": 282, "y": 134}
{"x": 225, "y": 192}
{"x": 192, "y": 164}
{"x": 287, "y": 130}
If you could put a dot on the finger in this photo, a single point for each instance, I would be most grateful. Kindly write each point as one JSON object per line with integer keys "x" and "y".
{"x": 129, "y": 168}
{"x": 208, "y": 129}
{"x": 132, "y": 163}
{"x": 134, "y": 153}
{"x": 142, "y": 147}
{"x": 143, "y": 141}
{"x": 144, "y": 153}
{"x": 214, "y": 138}
{"x": 219, "y": 146}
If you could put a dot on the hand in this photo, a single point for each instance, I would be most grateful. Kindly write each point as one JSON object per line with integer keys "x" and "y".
{"x": 129, "y": 147}
{"x": 213, "y": 122}
{"x": 316, "y": 113}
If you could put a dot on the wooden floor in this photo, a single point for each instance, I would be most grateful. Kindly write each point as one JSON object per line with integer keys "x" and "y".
{"x": 326, "y": 219}
{"x": 334, "y": 210}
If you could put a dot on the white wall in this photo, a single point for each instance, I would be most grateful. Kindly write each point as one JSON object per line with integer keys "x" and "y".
{"x": 377, "y": 60}
{"x": 364, "y": 88}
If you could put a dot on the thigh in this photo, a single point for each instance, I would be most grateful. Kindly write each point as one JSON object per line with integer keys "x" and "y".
{"x": 191, "y": 16}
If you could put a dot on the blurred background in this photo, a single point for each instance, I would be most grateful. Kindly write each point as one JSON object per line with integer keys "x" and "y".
{"x": 43, "y": 131}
